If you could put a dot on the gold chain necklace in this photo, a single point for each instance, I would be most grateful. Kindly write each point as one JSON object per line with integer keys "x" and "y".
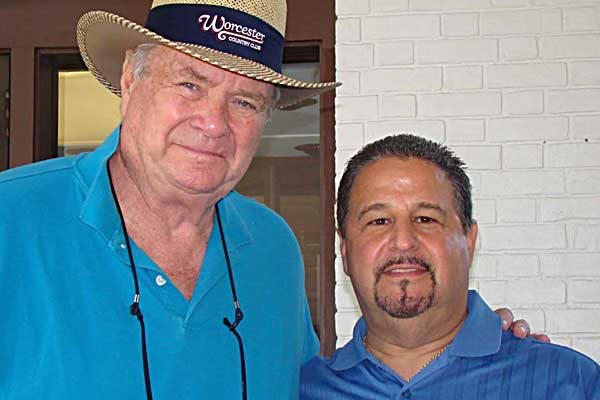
{"x": 436, "y": 355}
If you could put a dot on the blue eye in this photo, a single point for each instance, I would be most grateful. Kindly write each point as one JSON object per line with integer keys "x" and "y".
{"x": 188, "y": 85}
{"x": 246, "y": 104}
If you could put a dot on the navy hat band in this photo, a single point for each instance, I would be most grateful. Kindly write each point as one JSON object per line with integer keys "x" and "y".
{"x": 219, "y": 28}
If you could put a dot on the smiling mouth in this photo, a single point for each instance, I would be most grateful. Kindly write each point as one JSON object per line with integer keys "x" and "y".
{"x": 200, "y": 150}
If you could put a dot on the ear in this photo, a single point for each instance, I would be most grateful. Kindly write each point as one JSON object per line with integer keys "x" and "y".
{"x": 343, "y": 252}
{"x": 472, "y": 239}
{"x": 127, "y": 81}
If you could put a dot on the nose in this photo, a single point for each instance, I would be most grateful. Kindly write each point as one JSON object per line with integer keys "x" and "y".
{"x": 211, "y": 118}
{"x": 403, "y": 237}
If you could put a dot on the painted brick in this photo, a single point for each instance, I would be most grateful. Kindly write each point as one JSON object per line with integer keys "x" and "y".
{"x": 432, "y": 130}
{"x": 526, "y": 75}
{"x": 570, "y": 264}
{"x": 494, "y": 292}
{"x": 460, "y": 25}
{"x": 536, "y": 291}
{"x": 584, "y": 291}
{"x": 484, "y": 211}
{"x": 522, "y": 156}
{"x": 552, "y": 210}
{"x": 589, "y": 346}
{"x": 475, "y": 178}
{"x": 381, "y": 6}
{"x": 577, "y": 100}
{"x": 530, "y": 237}
{"x": 353, "y": 55}
{"x": 573, "y": 155}
{"x": 457, "y": 78}
{"x": 344, "y": 322}
{"x": 516, "y": 210}
{"x": 484, "y": 266}
{"x": 350, "y": 136}
{"x": 522, "y": 183}
{"x": 551, "y": 21}
{"x": 571, "y": 46}
{"x": 354, "y": 108}
{"x": 573, "y": 321}
{"x": 456, "y": 51}
{"x": 400, "y": 27}
{"x": 459, "y": 104}
{"x": 402, "y": 79}
{"x": 523, "y": 102}
{"x": 341, "y": 158}
{"x": 511, "y": 22}
{"x": 516, "y": 128}
{"x": 479, "y": 157}
{"x": 351, "y": 82}
{"x": 344, "y": 296}
{"x": 510, "y": 3}
{"x": 518, "y": 265}
{"x": 347, "y": 30}
{"x": 441, "y": 5}
{"x": 581, "y": 19}
{"x": 587, "y": 237}
{"x": 584, "y": 73}
{"x": 583, "y": 181}
{"x": 465, "y": 130}
{"x": 345, "y": 7}
{"x": 394, "y": 53}
{"x": 518, "y": 48}
{"x": 586, "y": 127}
{"x": 397, "y": 106}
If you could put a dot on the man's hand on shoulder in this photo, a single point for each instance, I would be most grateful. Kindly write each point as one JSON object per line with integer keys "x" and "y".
{"x": 520, "y": 327}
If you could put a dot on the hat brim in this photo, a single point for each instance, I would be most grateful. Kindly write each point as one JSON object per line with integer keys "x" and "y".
{"x": 103, "y": 39}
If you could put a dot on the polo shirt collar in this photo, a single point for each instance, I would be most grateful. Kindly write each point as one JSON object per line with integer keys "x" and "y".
{"x": 480, "y": 335}
{"x": 99, "y": 210}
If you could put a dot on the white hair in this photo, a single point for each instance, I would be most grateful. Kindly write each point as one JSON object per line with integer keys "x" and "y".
{"x": 139, "y": 62}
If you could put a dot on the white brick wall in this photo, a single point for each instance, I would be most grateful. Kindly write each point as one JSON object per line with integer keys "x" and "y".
{"x": 514, "y": 87}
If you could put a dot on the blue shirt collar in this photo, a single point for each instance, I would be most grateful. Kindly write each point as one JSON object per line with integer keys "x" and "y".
{"x": 480, "y": 335}
{"x": 99, "y": 210}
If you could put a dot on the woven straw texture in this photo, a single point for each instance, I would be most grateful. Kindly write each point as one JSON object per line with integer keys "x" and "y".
{"x": 103, "y": 39}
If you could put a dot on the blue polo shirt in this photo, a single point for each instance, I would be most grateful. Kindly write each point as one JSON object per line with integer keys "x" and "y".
{"x": 481, "y": 363}
{"x": 66, "y": 286}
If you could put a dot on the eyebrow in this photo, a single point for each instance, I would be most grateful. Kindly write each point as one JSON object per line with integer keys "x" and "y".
{"x": 190, "y": 72}
{"x": 431, "y": 206}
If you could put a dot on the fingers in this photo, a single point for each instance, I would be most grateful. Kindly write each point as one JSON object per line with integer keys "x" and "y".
{"x": 520, "y": 328}
{"x": 541, "y": 337}
{"x": 507, "y": 317}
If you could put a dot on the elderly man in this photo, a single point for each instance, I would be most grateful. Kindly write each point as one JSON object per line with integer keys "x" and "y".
{"x": 150, "y": 218}
{"x": 407, "y": 239}
{"x": 126, "y": 270}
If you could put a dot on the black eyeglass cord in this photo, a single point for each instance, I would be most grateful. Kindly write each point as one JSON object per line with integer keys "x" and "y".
{"x": 239, "y": 315}
{"x": 136, "y": 311}
{"x": 134, "y": 308}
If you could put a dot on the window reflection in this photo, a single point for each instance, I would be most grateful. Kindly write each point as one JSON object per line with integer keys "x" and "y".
{"x": 284, "y": 175}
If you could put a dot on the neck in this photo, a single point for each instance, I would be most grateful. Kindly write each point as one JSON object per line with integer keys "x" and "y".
{"x": 143, "y": 205}
{"x": 408, "y": 348}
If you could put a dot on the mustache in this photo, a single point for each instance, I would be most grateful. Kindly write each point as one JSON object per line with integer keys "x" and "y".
{"x": 402, "y": 260}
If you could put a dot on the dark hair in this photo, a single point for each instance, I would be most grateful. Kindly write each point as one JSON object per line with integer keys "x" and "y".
{"x": 409, "y": 146}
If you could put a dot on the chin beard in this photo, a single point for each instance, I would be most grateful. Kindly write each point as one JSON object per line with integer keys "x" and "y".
{"x": 401, "y": 305}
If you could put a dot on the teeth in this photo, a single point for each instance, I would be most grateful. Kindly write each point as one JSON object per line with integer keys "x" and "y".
{"x": 403, "y": 270}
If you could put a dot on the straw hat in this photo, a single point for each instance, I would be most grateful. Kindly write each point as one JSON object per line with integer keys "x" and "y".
{"x": 241, "y": 36}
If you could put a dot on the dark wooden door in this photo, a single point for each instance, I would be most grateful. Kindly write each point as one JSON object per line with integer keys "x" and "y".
{"x": 4, "y": 109}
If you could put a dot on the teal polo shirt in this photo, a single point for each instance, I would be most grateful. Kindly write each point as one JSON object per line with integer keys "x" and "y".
{"x": 66, "y": 287}
{"x": 481, "y": 363}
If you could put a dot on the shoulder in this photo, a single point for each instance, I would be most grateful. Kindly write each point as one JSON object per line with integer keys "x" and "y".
{"x": 46, "y": 183}
{"x": 557, "y": 359}
{"x": 259, "y": 218}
